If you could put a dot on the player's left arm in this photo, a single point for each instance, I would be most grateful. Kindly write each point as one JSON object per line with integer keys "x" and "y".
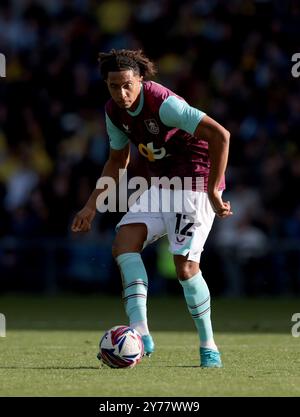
{"x": 175, "y": 112}
{"x": 218, "y": 139}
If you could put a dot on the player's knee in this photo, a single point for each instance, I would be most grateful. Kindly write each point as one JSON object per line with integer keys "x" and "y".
{"x": 118, "y": 248}
{"x": 121, "y": 246}
{"x": 130, "y": 238}
{"x": 186, "y": 270}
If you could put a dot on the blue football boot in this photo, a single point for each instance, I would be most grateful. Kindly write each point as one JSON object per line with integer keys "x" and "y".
{"x": 148, "y": 344}
{"x": 210, "y": 358}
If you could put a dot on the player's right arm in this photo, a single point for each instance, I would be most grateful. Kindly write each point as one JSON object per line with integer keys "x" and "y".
{"x": 118, "y": 159}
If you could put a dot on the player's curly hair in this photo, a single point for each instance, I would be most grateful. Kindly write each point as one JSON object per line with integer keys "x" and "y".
{"x": 122, "y": 59}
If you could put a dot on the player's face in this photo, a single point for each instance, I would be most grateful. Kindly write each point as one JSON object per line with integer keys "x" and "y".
{"x": 124, "y": 88}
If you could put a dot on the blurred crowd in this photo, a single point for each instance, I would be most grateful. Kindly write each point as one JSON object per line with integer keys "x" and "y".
{"x": 231, "y": 59}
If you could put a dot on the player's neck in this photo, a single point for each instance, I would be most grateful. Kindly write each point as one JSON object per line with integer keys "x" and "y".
{"x": 136, "y": 102}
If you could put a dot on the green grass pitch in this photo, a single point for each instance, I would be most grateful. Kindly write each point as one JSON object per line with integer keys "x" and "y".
{"x": 51, "y": 345}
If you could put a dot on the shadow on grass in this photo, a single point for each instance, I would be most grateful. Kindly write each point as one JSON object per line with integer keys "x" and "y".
{"x": 97, "y": 313}
{"x": 45, "y": 368}
{"x": 91, "y": 368}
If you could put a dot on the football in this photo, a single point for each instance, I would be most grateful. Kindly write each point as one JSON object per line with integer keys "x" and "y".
{"x": 121, "y": 347}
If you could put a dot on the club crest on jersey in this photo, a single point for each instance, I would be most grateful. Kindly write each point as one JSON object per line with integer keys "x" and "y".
{"x": 152, "y": 126}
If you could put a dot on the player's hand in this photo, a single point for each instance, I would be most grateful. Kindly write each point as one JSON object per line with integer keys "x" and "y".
{"x": 221, "y": 208}
{"x": 83, "y": 220}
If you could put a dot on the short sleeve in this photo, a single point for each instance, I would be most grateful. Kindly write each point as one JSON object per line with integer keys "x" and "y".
{"x": 117, "y": 139}
{"x": 175, "y": 112}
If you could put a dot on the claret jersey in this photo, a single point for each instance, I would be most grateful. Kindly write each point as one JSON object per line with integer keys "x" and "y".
{"x": 162, "y": 129}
